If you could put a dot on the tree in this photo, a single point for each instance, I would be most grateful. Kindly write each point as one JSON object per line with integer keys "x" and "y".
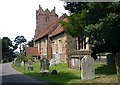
{"x": 7, "y": 49}
{"x": 75, "y": 7}
{"x": 30, "y": 43}
{"x": 19, "y": 40}
{"x": 98, "y": 21}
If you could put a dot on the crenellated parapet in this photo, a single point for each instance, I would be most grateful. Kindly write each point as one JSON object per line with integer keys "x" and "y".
{"x": 46, "y": 11}
{"x": 43, "y": 19}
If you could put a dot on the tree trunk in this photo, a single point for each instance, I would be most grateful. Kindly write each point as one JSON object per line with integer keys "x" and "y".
{"x": 20, "y": 48}
{"x": 117, "y": 59}
{"x": 78, "y": 43}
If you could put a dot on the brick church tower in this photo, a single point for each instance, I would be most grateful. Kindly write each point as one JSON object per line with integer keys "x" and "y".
{"x": 43, "y": 19}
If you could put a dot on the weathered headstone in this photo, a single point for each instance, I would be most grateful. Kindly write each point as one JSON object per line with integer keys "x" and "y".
{"x": 44, "y": 65}
{"x": 52, "y": 62}
{"x": 57, "y": 58}
{"x": 87, "y": 68}
{"x": 30, "y": 62}
{"x": 30, "y": 65}
{"x": 17, "y": 62}
{"x": 22, "y": 63}
{"x": 110, "y": 60}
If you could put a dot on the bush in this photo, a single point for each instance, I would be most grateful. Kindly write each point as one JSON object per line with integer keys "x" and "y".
{"x": 26, "y": 58}
{"x": 5, "y": 60}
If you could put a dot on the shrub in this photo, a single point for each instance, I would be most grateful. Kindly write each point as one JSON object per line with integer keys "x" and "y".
{"x": 5, "y": 60}
{"x": 26, "y": 58}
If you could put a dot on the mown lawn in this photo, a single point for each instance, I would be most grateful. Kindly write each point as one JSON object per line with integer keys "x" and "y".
{"x": 103, "y": 74}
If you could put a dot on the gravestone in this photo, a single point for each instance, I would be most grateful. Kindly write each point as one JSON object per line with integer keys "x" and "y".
{"x": 54, "y": 72}
{"x": 57, "y": 58}
{"x": 17, "y": 62}
{"x": 30, "y": 65}
{"x": 52, "y": 62}
{"x": 44, "y": 65}
{"x": 22, "y": 63}
{"x": 87, "y": 68}
{"x": 110, "y": 60}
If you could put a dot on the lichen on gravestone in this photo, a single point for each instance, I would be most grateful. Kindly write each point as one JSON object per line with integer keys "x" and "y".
{"x": 87, "y": 68}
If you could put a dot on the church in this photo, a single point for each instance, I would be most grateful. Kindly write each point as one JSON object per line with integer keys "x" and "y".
{"x": 50, "y": 38}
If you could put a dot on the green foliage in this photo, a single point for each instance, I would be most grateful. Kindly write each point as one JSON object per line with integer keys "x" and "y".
{"x": 75, "y": 7}
{"x": 102, "y": 23}
{"x": 99, "y": 21}
{"x": 75, "y": 25}
{"x": 30, "y": 43}
{"x": 4, "y": 60}
{"x": 26, "y": 58}
{"x": 19, "y": 40}
{"x": 7, "y": 49}
{"x": 22, "y": 58}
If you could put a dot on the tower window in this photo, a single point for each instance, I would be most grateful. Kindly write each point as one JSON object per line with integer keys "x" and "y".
{"x": 47, "y": 19}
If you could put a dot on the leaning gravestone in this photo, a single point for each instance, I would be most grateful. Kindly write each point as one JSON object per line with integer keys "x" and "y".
{"x": 87, "y": 68}
{"x": 44, "y": 65}
{"x": 30, "y": 65}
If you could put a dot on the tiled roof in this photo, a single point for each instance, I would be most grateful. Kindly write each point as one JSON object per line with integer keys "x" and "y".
{"x": 58, "y": 30}
{"x": 47, "y": 30}
{"x": 32, "y": 51}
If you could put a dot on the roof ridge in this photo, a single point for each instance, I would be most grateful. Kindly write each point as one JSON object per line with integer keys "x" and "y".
{"x": 58, "y": 30}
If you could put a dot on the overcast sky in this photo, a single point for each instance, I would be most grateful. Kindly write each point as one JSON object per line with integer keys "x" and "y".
{"x": 18, "y": 17}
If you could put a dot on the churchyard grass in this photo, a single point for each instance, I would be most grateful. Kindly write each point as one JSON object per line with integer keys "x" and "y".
{"x": 103, "y": 74}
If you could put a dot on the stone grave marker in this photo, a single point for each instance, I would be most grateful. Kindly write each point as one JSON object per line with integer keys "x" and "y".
{"x": 57, "y": 58}
{"x": 17, "y": 62}
{"x": 30, "y": 65}
{"x": 22, "y": 63}
{"x": 54, "y": 72}
{"x": 44, "y": 65}
{"x": 87, "y": 68}
{"x": 111, "y": 60}
{"x": 52, "y": 62}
